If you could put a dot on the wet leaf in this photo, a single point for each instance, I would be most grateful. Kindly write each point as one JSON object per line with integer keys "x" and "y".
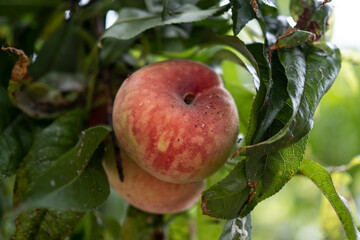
{"x": 322, "y": 179}
{"x": 257, "y": 51}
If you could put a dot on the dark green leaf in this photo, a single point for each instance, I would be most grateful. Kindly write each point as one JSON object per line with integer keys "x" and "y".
{"x": 278, "y": 168}
{"x": 7, "y": 61}
{"x": 50, "y": 144}
{"x": 257, "y": 51}
{"x": 41, "y": 224}
{"x": 108, "y": 55}
{"x": 286, "y": 83}
{"x": 133, "y": 21}
{"x": 69, "y": 182}
{"x": 322, "y": 66}
{"x": 295, "y": 38}
{"x": 276, "y": 98}
{"x": 62, "y": 52}
{"x": 227, "y": 198}
{"x": 322, "y": 179}
{"x": 15, "y": 142}
{"x": 242, "y": 13}
{"x": 7, "y": 110}
{"x": 237, "y": 228}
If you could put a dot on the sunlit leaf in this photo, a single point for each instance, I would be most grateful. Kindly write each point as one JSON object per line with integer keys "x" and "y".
{"x": 322, "y": 179}
{"x": 270, "y": 3}
{"x": 128, "y": 27}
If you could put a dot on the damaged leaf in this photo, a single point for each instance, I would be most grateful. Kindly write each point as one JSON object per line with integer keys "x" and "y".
{"x": 49, "y": 96}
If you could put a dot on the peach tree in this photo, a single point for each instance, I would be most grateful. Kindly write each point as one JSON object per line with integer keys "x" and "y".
{"x": 62, "y": 63}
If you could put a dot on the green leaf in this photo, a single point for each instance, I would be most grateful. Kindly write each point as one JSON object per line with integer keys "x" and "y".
{"x": 292, "y": 122}
{"x": 68, "y": 183}
{"x": 227, "y": 198}
{"x": 62, "y": 52}
{"x": 15, "y": 142}
{"x": 132, "y": 22}
{"x": 322, "y": 66}
{"x": 278, "y": 168}
{"x": 257, "y": 51}
{"x": 295, "y": 38}
{"x": 242, "y": 13}
{"x": 237, "y": 228}
{"x": 285, "y": 83}
{"x": 51, "y": 143}
{"x": 41, "y": 224}
{"x": 7, "y": 110}
{"x": 322, "y": 179}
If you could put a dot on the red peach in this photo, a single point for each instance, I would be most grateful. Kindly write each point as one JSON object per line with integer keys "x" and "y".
{"x": 176, "y": 120}
{"x": 148, "y": 193}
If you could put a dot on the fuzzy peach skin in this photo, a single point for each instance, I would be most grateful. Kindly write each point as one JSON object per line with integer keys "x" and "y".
{"x": 176, "y": 120}
{"x": 148, "y": 193}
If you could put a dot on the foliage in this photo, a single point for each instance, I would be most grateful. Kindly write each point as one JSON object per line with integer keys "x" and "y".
{"x": 62, "y": 67}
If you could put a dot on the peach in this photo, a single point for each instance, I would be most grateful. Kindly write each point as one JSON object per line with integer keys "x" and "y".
{"x": 176, "y": 120}
{"x": 148, "y": 193}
